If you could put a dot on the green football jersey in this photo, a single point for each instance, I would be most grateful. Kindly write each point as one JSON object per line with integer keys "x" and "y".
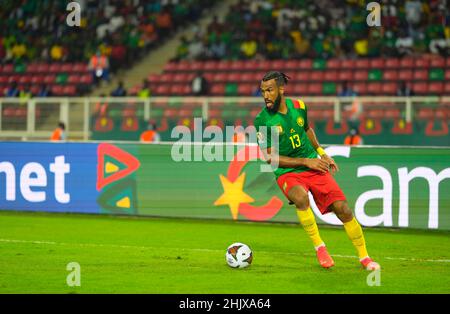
{"x": 293, "y": 140}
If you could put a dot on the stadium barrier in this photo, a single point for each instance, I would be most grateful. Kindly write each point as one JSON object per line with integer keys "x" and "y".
{"x": 381, "y": 120}
{"x": 404, "y": 187}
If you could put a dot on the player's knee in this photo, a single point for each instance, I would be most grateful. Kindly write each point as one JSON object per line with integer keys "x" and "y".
{"x": 301, "y": 201}
{"x": 342, "y": 211}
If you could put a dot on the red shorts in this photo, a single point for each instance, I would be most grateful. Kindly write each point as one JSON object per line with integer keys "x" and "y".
{"x": 322, "y": 186}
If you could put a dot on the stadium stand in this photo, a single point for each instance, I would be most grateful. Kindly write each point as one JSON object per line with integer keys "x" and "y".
{"x": 38, "y": 46}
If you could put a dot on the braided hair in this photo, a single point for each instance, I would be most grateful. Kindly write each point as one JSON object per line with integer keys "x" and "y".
{"x": 280, "y": 78}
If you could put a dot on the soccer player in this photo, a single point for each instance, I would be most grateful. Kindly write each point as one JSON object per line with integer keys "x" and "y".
{"x": 301, "y": 170}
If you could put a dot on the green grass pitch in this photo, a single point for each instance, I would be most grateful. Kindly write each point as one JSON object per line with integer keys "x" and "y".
{"x": 156, "y": 255}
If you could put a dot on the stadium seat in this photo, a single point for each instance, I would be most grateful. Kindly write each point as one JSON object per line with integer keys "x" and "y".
{"x": 69, "y": 90}
{"x": 195, "y": 66}
{"x": 7, "y": 68}
{"x": 37, "y": 79}
{"x": 80, "y": 67}
{"x": 333, "y": 64}
{"x": 392, "y": 63}
{"x": 292, "y": 65}
{"x": 390, "y": 75}
{"x": 435, "y": 88}
{"x": 447, "y": 88}
{"x": 224, "y": 65}
{"x": 420, "y": 88}
{"x": 67, "y": 67}
{"x": 344, "y": 75}
{"x": 316, "y": 76}
{"x": 54, "y": 68}
{"x": 251, "y": 65}
{"x": 25, "y": 79}
{"x": 420, "y": 75}
{"x": 210, "y": 65}
{"x": 422, "y": 63}
{"x": 162, "y": 90}
{"x": 237, "y": 65}
{"x": 183, "y": 66}
{"x": 218, "y": 89}
{"x": 246, "y": 77}
{"x": 377, "y": 63}
{"x": 86, "y": 79}
{"x": 405, "y": 75}
{"x": 441, "y": 113}
{"x": 305, "y": 64}
{"x": 49, "y": 79}
{"x": 361, "y": 75}
{"x": 314, "y": 89}
{"x": 220, "y": 77}
{"x": 300, "y": 76}
{"x": 362, "y": 63}
{"x": 246, "y": 89}
{"x": 232, "y": 77}
{"x": 407, "y": 62}
{"x": 392, "y": 114}
{"x": 389, "y": 88}
{"x": 360, "y": 88}
{"x": 3, "y": 79}
{"x": 300, "y": 89}
{"x": 166, "y": 78}
{"x": 374, "y": 88}
{"x": 424, "y": 114}
{"x": 330, "y": 76}
{"x": 74, "y": 79}
{"x": 170, "y": 67}
{"x": 437, "y": 62}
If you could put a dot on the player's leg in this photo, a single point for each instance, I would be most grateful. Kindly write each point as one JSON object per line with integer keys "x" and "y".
{"x": 354, "y": 232}
{"x": 298, "y": 195}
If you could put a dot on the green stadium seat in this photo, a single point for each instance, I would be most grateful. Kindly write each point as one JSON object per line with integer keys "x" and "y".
{"x": 375, "y": 75}
{"x": 231, "y": 89}
{"x": 436, "y": 75}
{"x": 319, "y": 64}
{"x": 61, "y": 78}
{"x": 329, "y": 88}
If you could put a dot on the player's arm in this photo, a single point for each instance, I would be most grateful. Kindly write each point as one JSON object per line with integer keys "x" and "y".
{"x": 290, "y": 162}
{"x": 315, "y": 143}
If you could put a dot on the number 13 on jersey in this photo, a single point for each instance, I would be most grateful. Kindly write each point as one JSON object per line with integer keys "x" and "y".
{"x": 295, "y": 141}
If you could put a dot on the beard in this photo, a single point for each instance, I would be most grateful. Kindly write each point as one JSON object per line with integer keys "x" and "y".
{"x": 276, "y": 105}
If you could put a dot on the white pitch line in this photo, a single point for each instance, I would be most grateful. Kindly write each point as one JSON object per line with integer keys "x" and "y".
{"x": 206, "y": 250}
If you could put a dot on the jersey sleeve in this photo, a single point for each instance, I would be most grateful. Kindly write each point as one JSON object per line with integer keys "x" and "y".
{"x": 300, "y": 105}
{"x": 263, "y": 133}
{"x": 306, "y": 126}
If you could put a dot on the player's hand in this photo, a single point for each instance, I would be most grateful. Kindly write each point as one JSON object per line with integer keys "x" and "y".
{"x": 332, "y": 164}
{"x": 320, "y": 165}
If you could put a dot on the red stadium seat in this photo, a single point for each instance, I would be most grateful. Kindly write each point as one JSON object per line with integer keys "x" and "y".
{"x": 251, "y": 65}
{"x": 13, "y": 78}
{"x": 70, "y": 90}
{"x": 361, "y": 75}
{"x": 360, "y": 88}
{"x": 246, "y": 89}
{"x": 162, "y": 90}
{"x": 170, "y": 67}
{"x": 422, "y": 63}
{"x": 425, "y": 114}
{"x": 420, "y": 88}
{"x": 54, "y": 68}
{"x": 246, "y": 77}
{"x": 180, "y": 89}
{"x": 420, "y": 75}
{"x": 37, "y": 79}
{"x": 8, "y": 68}
{"x": 345, "y": 75}
{"x": 183, "y": 66}
{"x": 330, "y": 76}
{"x": 392, "y": 63}
{"x": 3, "y": 79}
{"x": 441, "y": 113}
{"x": 300, "y": 89}
{"x": 316, "y": 76}
{"x": 86, "y": 79}
{"x": 407, "y": 62}
{"x": 66, "y": 67}
{"x": 348, "y": 64}
{"x": 375, "y": 113}
{"x": 195, "y": 66}
{"x": 49, "y": 79}
{"x": 437, "y": 62}
{"x": 390, "y": 75}
{"x": 237, "y": 65}
{"x": 314, "y": 89}
{"x": 301, "y": 76}
{"x": 374, "y": 88}
{"x": 292, "y": 65}
{"x": 42, "y": 68}
{"x": 405, "y": 75}
{"x": 305, "y": 64}
{"x": 362, "y": 63}
{"x": 264, "y": 65}
{"x": 166, "y": 78}
{"x": 32, "y": 68}
{"x": 333, "y": 64}
{"x": 153, "y": 78}
{"x": 218, "y": 89}
{"x": 377, "y": 63}
{"x": 231, "y": 77}
{"x": 210, "y": 65}
{"x": 392, "y": 114}
{"x": 389, "y": 88}
{"x": 74, "y": 79}
{"x": 224, "y": 65}
{"x": 447, "y": 88}
{"x": 435, "y": 88}
{"x": 278, "y": 65}
{"x": 447, "y": 75}
{"x": 57, "y": 90}
{"x": 80, "y": 67}
{"x": 25, "y": 79}
{"x": 447, "y": 62}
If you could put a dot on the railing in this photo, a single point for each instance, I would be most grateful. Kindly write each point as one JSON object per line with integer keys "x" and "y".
{"x": 37, "y": 117}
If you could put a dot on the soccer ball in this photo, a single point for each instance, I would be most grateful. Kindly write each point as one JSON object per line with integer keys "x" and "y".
{"x": 239, "y": 255}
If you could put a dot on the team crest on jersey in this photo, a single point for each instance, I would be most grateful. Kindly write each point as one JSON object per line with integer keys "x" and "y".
{"x": 279, "y": 129}
{"x": 292, "y": 130}
{"x": 300, "y": 121}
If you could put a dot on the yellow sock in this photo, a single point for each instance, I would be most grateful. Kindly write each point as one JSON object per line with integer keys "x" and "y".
{"x": 355, "y": 233}
{"x": 308, "y": 222}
